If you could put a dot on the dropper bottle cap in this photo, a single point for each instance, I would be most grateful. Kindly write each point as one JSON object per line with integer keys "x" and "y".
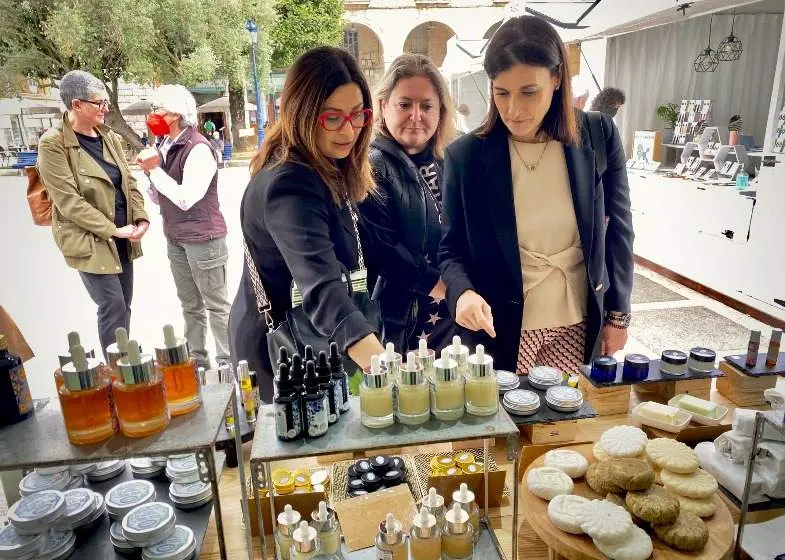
{"x": 433, "y": 500}
{"x": 458, "y": 351}
{"x": 282, "y": 381}
{"x": 323, "y": 368}
{"x": 297, "y": 370}
{"x": 335, "y": 361}
{"x": 118, "y": 348}
{"x": 305, "y": 538}
{"x": 391, "y": 360}
{"x": 136, "y": 367}
{"x": 73, "y": 340}
{"x": 309, "y": 355}
{"x": 81, "y": 373}
{"x": 391, "y": 530}
{"x": 480, "y": 363}
{"x": 377, "y": 377}
{"x": 457, "y": 520}
{"x": 323, "y": 518}
{"x": 174, "y": 351}
{"x": 288, "y": 520}
{"x": 283, "y": 356}
{"x": 424, "y": 524}
{"x": 446, "y": 368}
{"x": 463, "y": 495}
{"x": 411, "y": 371}
{"x": 311, "y": 379}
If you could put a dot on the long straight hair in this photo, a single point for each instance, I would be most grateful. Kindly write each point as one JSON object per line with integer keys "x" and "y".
{"x": 411, "y": 66}
{"x": 309, "y": 83}
{"x": 534, "y": 41}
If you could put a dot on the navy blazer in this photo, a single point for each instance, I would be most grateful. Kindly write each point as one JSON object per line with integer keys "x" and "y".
{"x": 479, "y": 249}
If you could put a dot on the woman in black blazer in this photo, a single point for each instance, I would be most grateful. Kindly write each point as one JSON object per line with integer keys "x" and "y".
{"x": 414, "y": 124}
{"x": 297, "y": 212}
{"x": 537, "y": 248}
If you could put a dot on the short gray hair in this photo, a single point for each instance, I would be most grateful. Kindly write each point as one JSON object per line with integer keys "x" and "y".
{"x": 78, "y": 84}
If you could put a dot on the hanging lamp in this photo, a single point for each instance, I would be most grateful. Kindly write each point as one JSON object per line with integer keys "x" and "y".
{"x": 730, "y": 48}
{"x": 706, "y": 61}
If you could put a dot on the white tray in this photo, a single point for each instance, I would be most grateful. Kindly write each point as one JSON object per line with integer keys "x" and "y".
{"x": 699, "y": 418}
{"x": 683, "y": 419}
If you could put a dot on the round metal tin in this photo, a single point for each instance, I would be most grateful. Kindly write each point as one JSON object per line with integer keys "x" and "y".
{"x": 106, "y": 471}
{"x": 182, "y": 465}
{"x": 192, "y": 492}
{"x": 542, "y": 377}
{"x": 57, "y": 546}
{"x": 126, "y": 496}
{"x": 79, "y": 505}
{"x": 564, "y": 399}
{"x": 507, "y": 380}
{"x": 13, "y": 545}
{"x": 52, "y": 470}
{"x": 84, "y": 469}
{"x": 180, "y": 545}
{"x": 35, "y": 513}
{"x": 36, "y": 482}
{"x": 148, "y": 524}
{"x": 522, "y": 401}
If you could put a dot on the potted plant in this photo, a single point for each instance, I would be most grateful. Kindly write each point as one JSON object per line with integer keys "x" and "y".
{"x": 668, "y": 114}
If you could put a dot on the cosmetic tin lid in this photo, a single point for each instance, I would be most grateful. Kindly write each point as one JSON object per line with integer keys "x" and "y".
{"x": 480, "y": 363}
{"x": 305, "y": 538}
{"x": 393, "y": 477}
{"x": 381, "y": 463}
{"x": 605, "y": 363}
{"x": 457, "y": 520}
{"x": 288, "y": 520}
{"x": 700, "y": 354}
{"x": 35, "y": 513}
{"x": 674, "y": 357}
{"x": 446, "y": 368}
{"x": 77, "y": 481}
{"x": 397, "y": 463}
{"x": 179, "y": 545}
{"x": 356, "y": 484}
{"x": 118, "y": 540}
{"x": 82, "y": 379}
{"x": 357, "y": 493}
{"x": 35, "y": 482}
{"x": 542, "y": 377}
{"x": 507, "y": 380}
{"x": 371, "y": 481}
{"x": 84, "y": 468}
{"x": 145, "y": 468}
{"x": 444, "y": 461}
{"x": 174, "y": 351}
{"x": 363, "y": 467}
{"x": 127, "y": 495}
{"x": 564, "y": 399}
{"x": 79, "y": 505}
{"x": 391, "y": 530}
{"x": 320, "y": 477}
{"x": 352, "y": 472}
{"x": 142, "y": 372}
{"x": 636, "y": 360}
{"x": 149, "y": 523}
{"x": 465, "y": 458}
{"x": 521, "y": 401}
{"x": 58, "y": 545}
{"x": 424, "y": 526}
{"x": 14, "y": 545}
{"x": 106, "y": 470}
{"x": 184, "y": 494}
{"x": 473, "y": 468}
{"x": 182, "y": 465}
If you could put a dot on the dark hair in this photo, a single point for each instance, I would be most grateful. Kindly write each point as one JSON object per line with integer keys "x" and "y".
{"x": 608, "y": 98}
{"x": 313, "y": 78}
{"x": 531, "y": 40}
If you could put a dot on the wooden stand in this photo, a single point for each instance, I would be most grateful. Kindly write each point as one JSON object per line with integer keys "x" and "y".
{"x": 606, "y": 401}
{"x": 663, "y": 392}
{"x": 742, "y": 389}
{"x": 552, "y": 432}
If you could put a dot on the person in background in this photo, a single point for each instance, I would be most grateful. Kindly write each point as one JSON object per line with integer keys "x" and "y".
{"x": 537, "y": 246}
{"x": 297, "y": 212}
{"x": 462, "y": 115}
{"x": 580, "y": 91}
{"x": 218, "y": 145}
{"x": 184, "y": 183}
{"x": 209, "y": 128}
{"x": 98, "y": 215}
{"x": 414, "y": 124}
{"x": 145, "y": 139}
{"x": 608, "y": 101}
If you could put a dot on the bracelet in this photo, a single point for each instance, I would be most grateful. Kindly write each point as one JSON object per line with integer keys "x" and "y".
{"x": 618, "y": 319}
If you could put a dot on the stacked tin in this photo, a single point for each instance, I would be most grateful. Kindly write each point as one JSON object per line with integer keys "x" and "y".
{"x": 564, "y": 399}
{"x": 521, "y": 402}
{"x": 106, "y": 470}
{"x": 190, "y": 496}
{"x": 182, "y": 469}
{"x": 126, "y": 496}
{"x": 507, "y": 380}
{"x": 545, "y": 377}
{"x": 147, "y": 467}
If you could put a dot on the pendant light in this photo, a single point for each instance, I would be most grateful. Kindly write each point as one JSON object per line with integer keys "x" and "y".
{"x": 730, "y": 48}
{"x": 706, "y": 61}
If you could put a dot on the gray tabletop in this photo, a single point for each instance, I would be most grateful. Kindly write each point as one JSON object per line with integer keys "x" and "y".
{"x": 42, "y": 440}
{"x": 350, "y": 435}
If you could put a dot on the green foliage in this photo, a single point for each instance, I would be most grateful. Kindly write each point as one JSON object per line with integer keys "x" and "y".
{"x": 302, "y": 25}
{"x": 668, "y": 113}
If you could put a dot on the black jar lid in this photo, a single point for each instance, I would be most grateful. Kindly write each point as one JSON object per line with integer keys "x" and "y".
{"x": 636, "y": 360}
{"x": 352, "y": 472}
{"x": 356, "y": 484}
{"x": 674, "y": 357}
{"x": 363, "y": 467}
{"x": 700, "y": 354}
{"x": 397, "y": 463}
{"x": 381, "y": 463}
{"x": 393, "y": 477}
{"x": 371, "y": 481}
{"x": 358, "y": 493}
{"x": 605, "y": 363}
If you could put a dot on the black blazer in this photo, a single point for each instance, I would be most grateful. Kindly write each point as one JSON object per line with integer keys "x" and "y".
{"x": 294, "y": 230}
{"x": 395, "y": 217}
{"x": 479, "y": 249}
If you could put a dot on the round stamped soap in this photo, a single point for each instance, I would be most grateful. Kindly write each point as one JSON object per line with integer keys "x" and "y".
{"x": 178, "y": 546}
{"x": 14, "y": 545}
{"x": 37, "y": 510}
{"x": 127, "y": 495}
{"x": 35, "y": 482}
{"x": 147, "y": 519}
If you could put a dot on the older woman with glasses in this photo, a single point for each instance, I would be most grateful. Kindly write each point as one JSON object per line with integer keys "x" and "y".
{"x": 98, "y": 216}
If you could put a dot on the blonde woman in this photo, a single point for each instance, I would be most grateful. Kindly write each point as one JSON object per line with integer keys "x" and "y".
{"x": 414, "y": 123}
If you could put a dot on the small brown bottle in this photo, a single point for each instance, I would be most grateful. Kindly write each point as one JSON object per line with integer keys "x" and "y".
{"x": 65, "y": 357}
{"x": 86, "y": 400}
{"x": 118, "y": 349}
{"x": 774, "y": 348}
{"x": 140, "y": 397}
{"x": 183, "y": 391}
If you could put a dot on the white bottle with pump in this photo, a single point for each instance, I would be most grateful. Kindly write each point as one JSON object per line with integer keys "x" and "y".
{"x": 288, "y": 520}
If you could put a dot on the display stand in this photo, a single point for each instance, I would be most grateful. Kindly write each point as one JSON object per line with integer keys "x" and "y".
{"x": 42, "y": 441}
{"x": 349, "y": 435}
{"x": 580, "y": 547}
{"x": 761, "y": 421}
{"x": 745, "y": 386}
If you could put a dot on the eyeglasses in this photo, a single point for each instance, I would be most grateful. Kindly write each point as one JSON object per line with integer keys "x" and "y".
{"x": 335, "y": 120}
{"x": 103, "y": 105}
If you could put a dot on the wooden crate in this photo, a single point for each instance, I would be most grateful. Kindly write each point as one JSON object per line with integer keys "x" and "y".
{"x": 663, "y": 392}
{"x": 606, "y": 401}
{"x": 742, "y": 389}
{"x": 334, "y": 458}
{"x": 552, "y": 432}
{"x": 471, "y": 444}
{"x": 692, "y": 433}
{"x": 304, "y": 503}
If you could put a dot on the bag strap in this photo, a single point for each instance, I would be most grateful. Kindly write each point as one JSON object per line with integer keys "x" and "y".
{"x": 361, "y": 257}
{"x": 263, "y": 305}
{"x": 597, "y": 140}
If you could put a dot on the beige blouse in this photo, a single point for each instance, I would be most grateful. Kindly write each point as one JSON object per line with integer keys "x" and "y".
{"x": 555, "y": 286}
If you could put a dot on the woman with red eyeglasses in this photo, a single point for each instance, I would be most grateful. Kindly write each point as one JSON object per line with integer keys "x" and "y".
{"x": 299, "y": 219}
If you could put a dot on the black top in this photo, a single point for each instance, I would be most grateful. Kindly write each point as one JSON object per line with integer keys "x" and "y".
{"x": 295, "y": 231}
{"x": 479, "y": 250}
{"x": 95, "y": 147}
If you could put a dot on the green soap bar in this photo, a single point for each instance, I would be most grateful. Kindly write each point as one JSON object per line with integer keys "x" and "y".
{"x": 698, "y": 406}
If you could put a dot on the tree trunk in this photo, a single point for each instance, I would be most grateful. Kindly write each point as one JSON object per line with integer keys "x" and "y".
{"x": 237, "y": 112}
{"x": 115, "y": 120}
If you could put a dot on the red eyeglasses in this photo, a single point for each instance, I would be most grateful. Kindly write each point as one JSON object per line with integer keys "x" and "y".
{"x": 334, "y": 120}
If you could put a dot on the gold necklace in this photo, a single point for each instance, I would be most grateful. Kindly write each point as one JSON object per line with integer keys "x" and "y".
{"x": 530, "y": 167}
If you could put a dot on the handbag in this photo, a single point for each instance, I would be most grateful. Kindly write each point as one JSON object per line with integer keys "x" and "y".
{"x": 296, "y": 331}
{"x": 38, "y": 199}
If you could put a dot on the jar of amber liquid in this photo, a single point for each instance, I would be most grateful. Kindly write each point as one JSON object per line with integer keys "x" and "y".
{"x": 140, "y": 397}
{"x": 183, "y": 391}
{"x": 86, "y": 400}
{"x": 115, "y": 351}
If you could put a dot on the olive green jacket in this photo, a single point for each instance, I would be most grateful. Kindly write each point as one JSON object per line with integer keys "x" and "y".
{"x": 83, "y": 198}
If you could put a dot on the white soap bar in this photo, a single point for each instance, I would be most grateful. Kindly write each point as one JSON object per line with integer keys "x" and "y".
{"x": 661, "y": 412}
